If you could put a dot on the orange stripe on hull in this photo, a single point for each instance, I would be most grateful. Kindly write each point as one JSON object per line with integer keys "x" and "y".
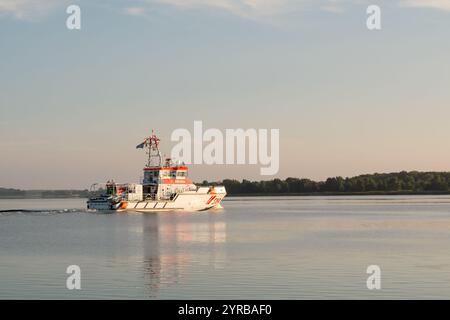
{"x": 210, "y": 199}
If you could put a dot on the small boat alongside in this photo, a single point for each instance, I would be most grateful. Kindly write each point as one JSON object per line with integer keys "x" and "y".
{"x": 165, "y": 187}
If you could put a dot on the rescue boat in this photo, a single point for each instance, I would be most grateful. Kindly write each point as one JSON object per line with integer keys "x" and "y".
{"x": 165, "y": 187}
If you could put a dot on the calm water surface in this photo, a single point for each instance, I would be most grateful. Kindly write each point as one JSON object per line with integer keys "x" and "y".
{"x": 255, "y": 248}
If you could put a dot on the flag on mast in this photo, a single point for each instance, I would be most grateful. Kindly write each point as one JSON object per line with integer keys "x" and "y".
{"x": 141, "y": 146}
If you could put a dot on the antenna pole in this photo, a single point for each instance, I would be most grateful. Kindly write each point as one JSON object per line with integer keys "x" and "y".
{"x": 154, "y": 155}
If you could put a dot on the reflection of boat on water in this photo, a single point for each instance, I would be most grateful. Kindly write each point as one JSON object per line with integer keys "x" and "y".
{"x": 165, "y": 187}
{"x": 173, "y": 249}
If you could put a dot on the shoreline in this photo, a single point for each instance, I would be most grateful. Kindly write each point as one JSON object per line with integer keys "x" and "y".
{"x": 318, "y": 194}
{"x": 314, "y": 194}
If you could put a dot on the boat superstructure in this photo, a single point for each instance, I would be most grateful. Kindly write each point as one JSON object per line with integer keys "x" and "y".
{"x": 165, "y": 187}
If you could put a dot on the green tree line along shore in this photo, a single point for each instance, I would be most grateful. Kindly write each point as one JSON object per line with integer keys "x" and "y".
{"x": 379, "y": 183}
{"x": 386, "y": 183}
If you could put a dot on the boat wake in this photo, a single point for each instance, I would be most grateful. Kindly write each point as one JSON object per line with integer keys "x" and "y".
{"x": 40, "y": 211}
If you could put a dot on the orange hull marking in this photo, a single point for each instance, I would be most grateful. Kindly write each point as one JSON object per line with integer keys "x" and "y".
{"x": 123, "y": 205}
{"x": 210, "y": 199}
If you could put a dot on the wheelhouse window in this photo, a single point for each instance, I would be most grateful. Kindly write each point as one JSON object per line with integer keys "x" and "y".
{"x": 182, "y": 174}
{"x": 164, "y": 173}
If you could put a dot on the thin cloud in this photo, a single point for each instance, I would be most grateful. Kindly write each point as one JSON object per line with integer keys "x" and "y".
{"x": 334, "y": 8}
{"x": 243, "y": 8}
{"x": 435, "y": 4}
{"x": 135, "y": 11}
{"x": 258, "y": 8}
{"x": 28, "y": 9}
{"x": 254, "y": 9}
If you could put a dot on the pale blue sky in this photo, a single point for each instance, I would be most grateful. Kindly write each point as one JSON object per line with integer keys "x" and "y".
{"x": 347, "y": 101}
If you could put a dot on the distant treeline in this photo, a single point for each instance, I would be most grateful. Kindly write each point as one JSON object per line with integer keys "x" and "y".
{"x": 48, "y": 194}
{"x": 379, "y": 183}
{"x": 413, "y": 182}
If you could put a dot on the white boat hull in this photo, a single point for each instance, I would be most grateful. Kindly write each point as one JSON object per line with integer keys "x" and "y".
{"x": 181, "y": 202}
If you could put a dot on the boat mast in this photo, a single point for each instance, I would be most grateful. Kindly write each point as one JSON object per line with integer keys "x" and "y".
{"x": 153, "y": 153}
